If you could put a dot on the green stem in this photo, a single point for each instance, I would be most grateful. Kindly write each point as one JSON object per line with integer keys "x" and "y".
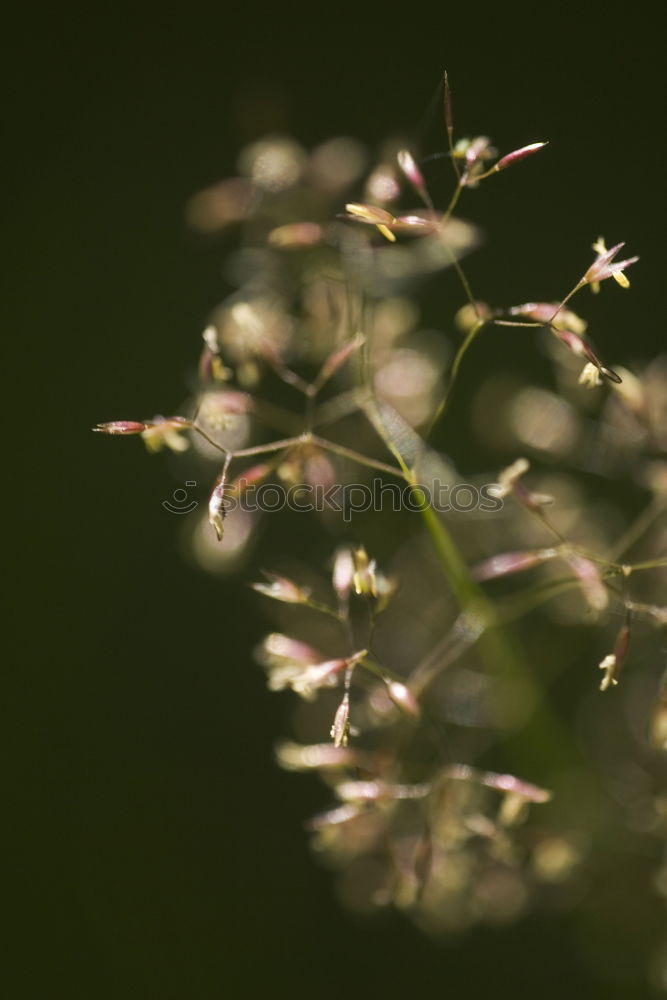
{"x": 544, "y": 742}
{"x": 456, "y": 364}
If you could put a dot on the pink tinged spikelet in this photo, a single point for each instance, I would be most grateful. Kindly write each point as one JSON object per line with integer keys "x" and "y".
{"x": 387, "y": 224}
{"x": 509, "y": 477}
{"x": 216, "y": 503}
{"x": 372, "y": 216}
{"x": 477, "y": 149}
{"x": 379, "y": 791}
{"x": 338, "y": 358}
{"x": 364, "y": 577}
{"x": 281, "y": 589}
{"x": 334, "y": 817}
{"x": 448, "y": 108}
{"x": 511, "y": 562}
{"x": 414, "y": 175}
{"x": 579, "y": 347}
{"x": 122, "y": 427}
{"x": 590, "y": 376}
{"x": 501, "y": 782}
{"x": 340, "y": 730}
{"x": 216, "y": 509}
{"x": 612, "y": 663}
{"x": 306, "y": 679}
{"x": 588, "y": 575}
{"x": 518, "y": 154}
{"x": 278, "y": 650}
{"x": 509, "y": 483}
{"x": 403, "y": 698}
{"x": 550, "y": 313}
{"x": 316, "y": 757}
{"x": 164, "y": 432}
{"x": 343, "y": 573}
{"x": 604, "y": 266}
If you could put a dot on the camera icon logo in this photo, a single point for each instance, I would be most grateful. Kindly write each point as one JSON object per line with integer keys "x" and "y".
{"x": 177, "y": 504}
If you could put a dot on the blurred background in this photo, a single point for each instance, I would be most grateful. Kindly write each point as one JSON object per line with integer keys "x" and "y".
{"x": 157, "y": 850}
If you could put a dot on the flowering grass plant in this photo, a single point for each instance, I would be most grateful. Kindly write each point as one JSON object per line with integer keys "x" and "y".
{"x": 428, "y": 713}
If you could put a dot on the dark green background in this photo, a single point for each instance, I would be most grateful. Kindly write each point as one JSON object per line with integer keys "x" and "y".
{"x": 158, "y": 851}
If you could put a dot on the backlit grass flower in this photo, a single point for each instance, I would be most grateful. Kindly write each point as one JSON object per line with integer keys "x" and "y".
{"x": 306, "y": 679}
{"x": 165, "y": 432}
{"x": 604, "y": 266}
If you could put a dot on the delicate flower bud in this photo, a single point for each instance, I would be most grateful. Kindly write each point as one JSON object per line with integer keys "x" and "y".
{"x": 579, "y": 347}
{"x": 551, "y": 313}
{"x": 343, "y": 573}
{"x": 334, "y": 817}
{"x": 210, "y": 338}
{"x": 413, "y": 173}
{"x": 415, "y": 225}
{"x": 340, "y": 730}
{"x": 447, "y": 105}
{"x": 511, "y": 562}
{"x": 306, "y": 679}
{"x": 122, "y": 427}
{"x": 374, "y": 791}
{"x": 216, "y": 508}
{"x": 514, "y": 786}
{"x": 318, "y": 756}
{"x": 609, "y": 667}
{"x": 278, "y": 649}
{"x": 576, "y": 344}
{"x": 612, "y": 663}
{"x": 519, "y": 154}
{"x": 164, "y": 432}
{"x": 476, "y": 149}
{"x": 403, "y": 698}
{"x": 592, "y": 586}
{"x": 281, "y": 589}
{"x": 373, "y": 216}
{"x": 361, "y": 791}
{"x": 590, "y": 376}
{"x": 501, "y": 782}
{"x": 510, "y": 476}
{"x": 602, "y": 267}
{"x": 364, "y": 578}
{"x": 338, "y": 358}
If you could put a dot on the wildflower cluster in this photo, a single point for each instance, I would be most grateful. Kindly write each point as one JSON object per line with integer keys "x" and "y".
{"x": 318, "y": 368}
